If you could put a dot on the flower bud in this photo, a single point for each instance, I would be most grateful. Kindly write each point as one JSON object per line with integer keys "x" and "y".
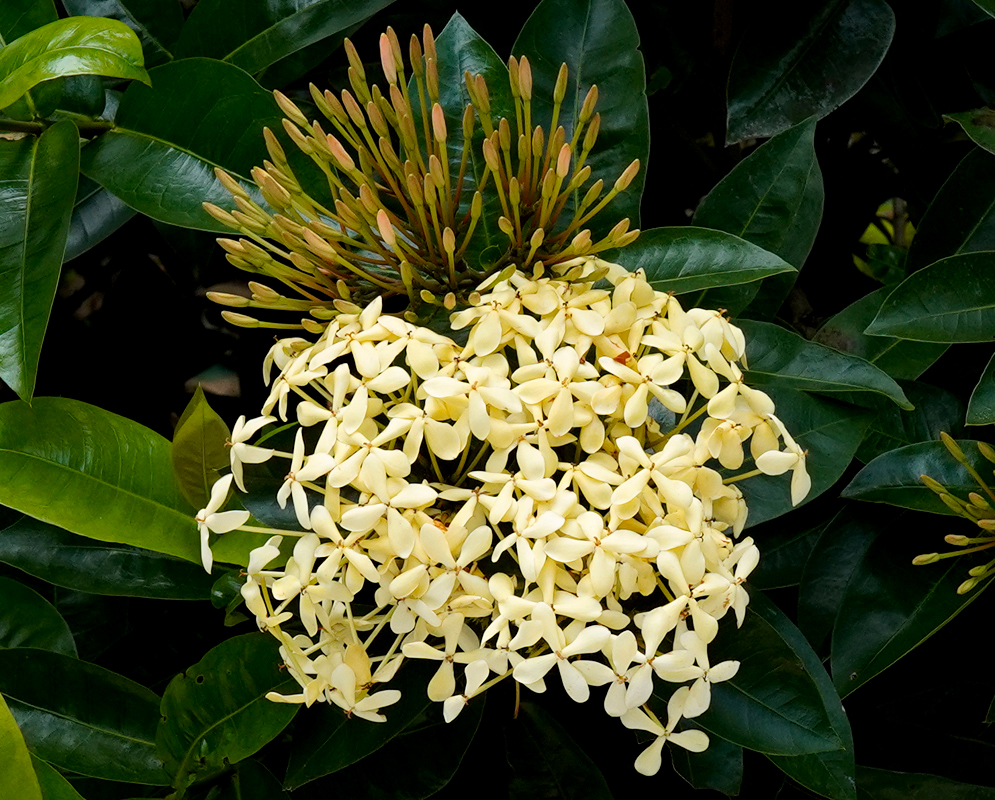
{"x": 439, "y": 124}
{"x": 627, "y": 177}
{"x": 987, "y": 451}
{"x": 292, "y": 111}
{"x": 241, "y": 320}
{"x": 525, "y": 79}
{"x": 225, "y": 299}
{"x": 387, "y": 59}
{"x": 560, "y": 87}
{"x": 926, "y": 558}
{"x": 956, "y": 539}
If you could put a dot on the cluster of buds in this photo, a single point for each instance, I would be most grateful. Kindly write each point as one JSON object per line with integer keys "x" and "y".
{"x": 976, "y": 509}
{"x": 542, "y": 496}
{"x": 406, "y": 194}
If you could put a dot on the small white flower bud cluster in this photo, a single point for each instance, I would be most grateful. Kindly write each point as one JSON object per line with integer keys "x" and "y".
{"x": 504, "y": 505}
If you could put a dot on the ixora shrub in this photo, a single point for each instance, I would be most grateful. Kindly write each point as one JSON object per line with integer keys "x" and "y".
{"x": 516, "y": 455}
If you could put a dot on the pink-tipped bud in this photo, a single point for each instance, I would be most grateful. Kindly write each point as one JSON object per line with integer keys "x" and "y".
{"x": 627, "y": 177}
{"x": 387, "y": 59}
{"x": 291, "y": 110}
{"x": 439, "y": 123}
{"x": 344, "y": 160}
{"x": 491, "y": 156}
{"x": 386, "y": 229}
{"x": 448, "y": 240}
{"x": 525, "y": 78}
{"x": 590, "y": 101}
{"x": 415, "y": 56}
{"x": 563, "y": 162}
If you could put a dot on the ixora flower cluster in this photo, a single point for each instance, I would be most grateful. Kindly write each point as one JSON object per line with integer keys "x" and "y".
{"x": 527, "y": 503}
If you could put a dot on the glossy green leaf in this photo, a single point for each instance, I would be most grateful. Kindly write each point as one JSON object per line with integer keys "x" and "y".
{"x": 778, "y": 75}
{"x": 328, "y": 741}
{"x": 598, "y": 41}
{"x": 784, "y": 547}
{"x": 74, "y": 46}
{"x": 74, "y": 562}
{"x": 978, "y": 124}
{"x": 422, "y": 761}
{"x": 894, "y": 477}
{"x": 829, "y": 430}
{"x": 892, "y": 606}
{"x": 461, "y": 49}
{"x": 250, "y": 780}
{"x": 81, "y": 717}
{"x": 688, "y": 259}
{"x": 18, "y": 781}
{"x": 827, "y": 571}
{"x": 28, "y": 620}
{"x": 18, "y": 17}
{"x": 216, "y": 713}
{"x": 776, "y": 355}
{"x": 53, "y": 785}
{"x": 935, "y": 410}
{"x": 779, "y": 701}
{"x": 882, "y": 784}
{"x": 772, "y": 198}
{"x": 167, "y": 140}
{"x": 546, "y": 762}
{"x": 900, "y": 358}
{"x": 157, "y": 23}
{"x": 933, "y": 304}
{"x": 37, "y": 185}
{"x": 96, "y": 215}
{"x": 981, "y": 408}
{"x": 93, "y": 473}
{"x": 199, "y": 451}
{"x": 719, "y": 768}
{"x": 961, "y": 218}
{"x": 254, "y": 35}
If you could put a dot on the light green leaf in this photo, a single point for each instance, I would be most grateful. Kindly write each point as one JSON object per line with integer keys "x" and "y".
{"x": 598, "y": 41}
{"x": 688, "y": 259}
{"x": 157, "y": 23}
{"x": 53, "y": 785}
{"x": 216, "y": 713}
{"x": 199, "y": 450}
{"x": 28, "y": 620}
{"x": 81, "y": 717}
{"x": 952, "y": 300}
{"x": 776, "y": 355}
{"x": 38, "y": 176}
{"x": 18, "y": 781}
{"x": 73, "y": 46}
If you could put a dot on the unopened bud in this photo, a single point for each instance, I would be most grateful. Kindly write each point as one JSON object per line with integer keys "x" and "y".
{"x": 263, "y": 293}
{"x": 952, "y": 447}
{"x": 292, "y": 111}
{"x": 468, "y": 117}
{"x": 514, "y": 191}
{"x": 439, "y": 124}
{"x": 352, "y": 108}
{"x": 340, "y": 154}
{"x": 504, "y": 135}
{"x": 220, "y": 215}
{"x": 311, "y": 326}
{"x": 956, "y": 539}
{"x": 560, "y": 87}
{"x": 538, "y": 137}
{"x": 627, "y": 177}
{"x": 427, "y": 297}
{"x": 225, "y": 299}
{"x": 449, "y": 301}
{"x": 933, "y": 485}
{"x": 968, "y": 585}
{"x": 297, "y": 137}
{"x": 476, "y": 205}
{"x": 977, "y": 500}
{"x": 387, "y": 59}
{"x": 591, "y": 134}
{"x": 537, "y": 238}
{"x": 273, "y": 147}
{"x": 986, "y": 524}
{"x": 230, "y": 183}
{"x": 951, "y": 502}
{"x": 354, "y": 60}
{"x": 581, "y": 242}
{"x": 473, "y": 298}
{"x": 386, "y": 229}
{"x": 415, "y": 56}
{"x": 449, "y": 240}
{"x": 513, "y": 80}
{"x": 926, "y": 558}
{"x": 987, "y": 451}
{"x": 563, "y": 162}
{"x": 525, "y": 78}
{"x": 505, "y": 226}
{"x": 241, "y": 320}
{"x": 491, "y": 156}
{"x": 590, "y": 101}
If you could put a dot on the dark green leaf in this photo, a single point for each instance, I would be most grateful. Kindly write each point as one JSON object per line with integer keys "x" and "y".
{"x": 834, "y": 558}
{"x": 598, "y": 41}
{"x": 935, "y": 410}
{"x": 892, "y": 606}
{"x": 880, "y": 784}
{"x": 252, "y": 781}
{"x": 687, "y": 259}
{"x": 895, "y": 477}
{"x": 28, "y": 620}
{"x": 53, "y": 785}
{"x": 776, "y": 355}
{"x": 720, "y": 767}
{"x": 961, "y": 218}
{"x": 161, "y": 155}
{"x": 89, "y": 720}
{"x": 461, "y": 50}
{"x": 254, "y": 35}
{"x": 37, "y": 184}
{"x": 157, "y": 23}
{"x": 19, "y": 779}
{"x": 83, "y": 94}
{"x": 96, "y": 215}
{"x": 779, "y": 701}
{"x": 829, "y": 430}
{"x": 421, "y": 761}
{"x": 979, "y": 125}
{"x": 981, "y": 408}
{"x": 17, "y": 17}
{"x": 546, "y": 762}
{"x": 328, "y": 741}
{"x": 784, "y": 550}
{"x": 93, "y": 473}
{"x": 74, "y": 46}
{"x": 898, "y": 357}
{"x": 772, "y": 198}
{"x": 779, "y": 73}
{"x": 199, "y": 451}
{"x": 217, "y": 714}
{"x": 84, "y": 565}
{"x": 934, "y": 305}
